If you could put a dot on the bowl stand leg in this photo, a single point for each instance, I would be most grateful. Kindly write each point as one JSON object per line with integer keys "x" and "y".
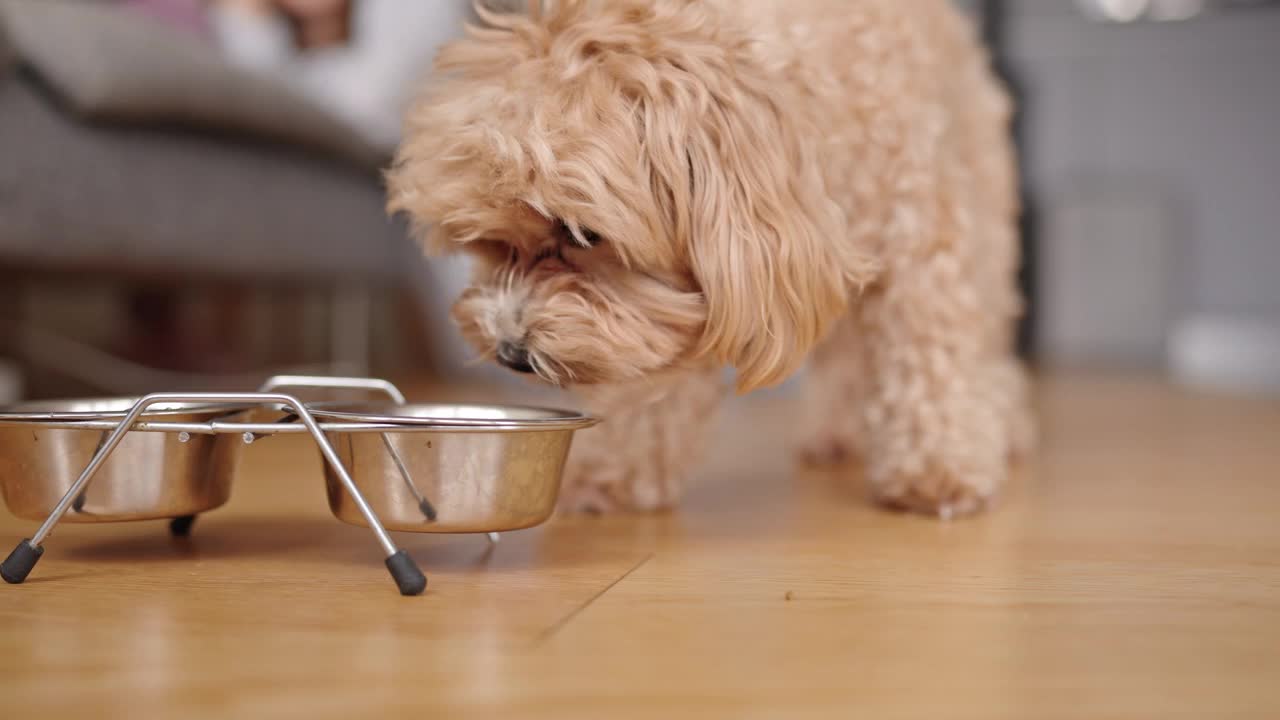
{"x": 19, "y": 564}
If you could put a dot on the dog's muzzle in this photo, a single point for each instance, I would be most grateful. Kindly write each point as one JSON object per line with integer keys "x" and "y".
{"x": 515, "y": 357}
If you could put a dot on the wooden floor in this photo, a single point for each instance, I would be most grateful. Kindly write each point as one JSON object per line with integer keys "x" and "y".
{"x": 1133, "y": 572}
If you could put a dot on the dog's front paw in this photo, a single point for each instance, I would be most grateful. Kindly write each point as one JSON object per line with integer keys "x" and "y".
{"x": 828, "y": 448}
{"x": 580, "y": 494}
{"x": 598, "y": 488}
{"x": 942, "y": 492}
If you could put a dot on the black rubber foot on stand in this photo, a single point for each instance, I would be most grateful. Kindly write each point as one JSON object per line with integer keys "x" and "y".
{"x": 17, "y": 566}
{"x": 181, "y": 526}
{"x": 408, "y": 577}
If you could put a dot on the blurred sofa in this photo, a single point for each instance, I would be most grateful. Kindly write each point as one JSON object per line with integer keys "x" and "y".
{"x": 129, "y": 149}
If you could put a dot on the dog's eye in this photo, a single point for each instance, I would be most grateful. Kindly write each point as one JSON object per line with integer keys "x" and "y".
{"x": 585, "y": 235}
{"x": 591, "y": 237}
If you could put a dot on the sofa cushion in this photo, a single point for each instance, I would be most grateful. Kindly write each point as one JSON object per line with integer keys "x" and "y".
{"x": 108, "y": 62}
{"x": 166, "y": 201}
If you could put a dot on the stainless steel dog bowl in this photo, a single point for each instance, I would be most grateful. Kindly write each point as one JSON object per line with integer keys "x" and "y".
{"x": 150, "y": 475}
{"x": 423, "y": 468}
{"x": 451, "y": 468}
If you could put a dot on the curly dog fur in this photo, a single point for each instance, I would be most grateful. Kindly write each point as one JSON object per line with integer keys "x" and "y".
{"x": 655, "y": 189}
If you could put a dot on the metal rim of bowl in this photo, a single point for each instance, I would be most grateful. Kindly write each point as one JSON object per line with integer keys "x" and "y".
{"x": 358, "y": 417}
{"x": 15, "y": 414}
{"x": 374, "y": 414}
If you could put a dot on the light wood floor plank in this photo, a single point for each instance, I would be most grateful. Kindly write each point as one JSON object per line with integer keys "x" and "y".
{"x": 1133, "y": 571}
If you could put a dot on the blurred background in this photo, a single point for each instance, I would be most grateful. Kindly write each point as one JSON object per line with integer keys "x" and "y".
{"x": 190, "y": 194}
{"x": 1151, "y": 183}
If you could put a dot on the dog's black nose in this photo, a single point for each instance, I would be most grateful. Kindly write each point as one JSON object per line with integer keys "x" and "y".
{"x": 514, "y": 356}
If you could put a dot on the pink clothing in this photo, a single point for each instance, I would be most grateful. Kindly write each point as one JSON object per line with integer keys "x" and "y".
{"x": 188, "y": 15}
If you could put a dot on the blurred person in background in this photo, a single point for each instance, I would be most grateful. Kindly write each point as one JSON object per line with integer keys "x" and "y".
{"x": 358, "y": 59}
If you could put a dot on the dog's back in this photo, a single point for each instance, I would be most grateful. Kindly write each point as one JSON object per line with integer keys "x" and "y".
{"x": 904, "y": 97}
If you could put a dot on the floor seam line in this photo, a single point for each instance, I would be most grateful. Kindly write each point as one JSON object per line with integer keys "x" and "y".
{"x": 559, "y": 625}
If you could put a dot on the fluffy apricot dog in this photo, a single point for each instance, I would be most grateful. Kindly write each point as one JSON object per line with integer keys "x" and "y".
{"x": 654, "y": 190}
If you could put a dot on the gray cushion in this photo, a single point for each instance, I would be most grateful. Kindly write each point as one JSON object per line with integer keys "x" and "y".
{"x": 6, "y": 51}
{"x": 111, "y": 63}
{"x": 168, "y": 200}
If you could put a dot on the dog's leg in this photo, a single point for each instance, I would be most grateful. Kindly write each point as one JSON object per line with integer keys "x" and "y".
{"x": 654, "y": 432}
{"x": 836, "y": 384}
{"x": 946, "y": 394}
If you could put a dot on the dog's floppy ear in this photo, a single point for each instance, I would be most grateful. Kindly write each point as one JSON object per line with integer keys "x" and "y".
{"x": 768, "y": 246}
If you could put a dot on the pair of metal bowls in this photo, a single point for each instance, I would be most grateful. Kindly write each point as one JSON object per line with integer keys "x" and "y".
{"x": 421, "y": 468}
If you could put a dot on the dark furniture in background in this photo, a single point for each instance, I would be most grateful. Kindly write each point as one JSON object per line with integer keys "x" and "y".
{"x": 994, "y": 21}
{"x": 130, "y": 152}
